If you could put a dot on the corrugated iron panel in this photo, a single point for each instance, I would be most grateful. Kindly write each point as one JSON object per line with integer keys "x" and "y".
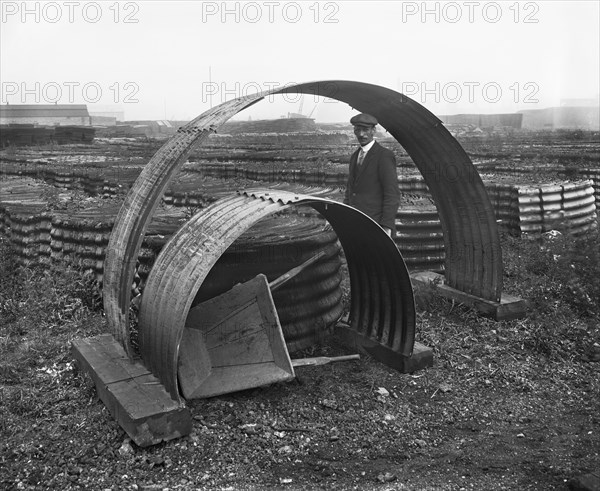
{"x": 537, "y": 209}
{"x": 571, "y": 206}
{"x": 87, "y": 180}
{"x": 420, "y": 238}
{"x": 413, "y": 185}
{"x": 569, "y": 172}
{"x": 594, "y": 176}
{"x": 274, "y": 246}
{"x": 140, "y": 204}
{"x": 382, "y": 299}
{"x": 473, "y": 254}
{"x": 474, "y": 261}
{"x": 30, "y": 236}
{"x": 271, "y": 247}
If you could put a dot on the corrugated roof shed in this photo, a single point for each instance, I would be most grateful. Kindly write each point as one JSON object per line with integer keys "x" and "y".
{"x": 43, "y": 111}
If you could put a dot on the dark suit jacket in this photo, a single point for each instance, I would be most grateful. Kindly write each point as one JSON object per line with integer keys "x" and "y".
{"x": 373, "y": 188}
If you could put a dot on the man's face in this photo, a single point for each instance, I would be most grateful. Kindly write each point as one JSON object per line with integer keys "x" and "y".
{"x": 364, "y": 134}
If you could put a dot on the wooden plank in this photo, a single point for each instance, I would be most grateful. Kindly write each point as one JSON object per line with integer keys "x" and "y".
{"x": 283, "y": 279}
{"x": 422, "y": 356}
{"x": 509, "y": 307}
{"x": 322, "y": 360}
{"x": 135, "y": 398}
{"x": 233, "y": 342}
{"x": 106, "y": 361}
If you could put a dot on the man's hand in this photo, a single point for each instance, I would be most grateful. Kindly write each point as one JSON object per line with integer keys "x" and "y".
{"x": 387, "y": 231}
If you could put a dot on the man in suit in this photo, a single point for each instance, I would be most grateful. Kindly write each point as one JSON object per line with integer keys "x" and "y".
{"x": 372, "y": 181}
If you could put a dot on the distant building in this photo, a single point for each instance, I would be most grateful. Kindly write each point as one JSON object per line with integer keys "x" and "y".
{"x": 559, "y": 118}
{"x": 45, "y": 114}
{"x": 103, "y": 120}
{"x": 118, "y": 115}
{"x": 283, "y": 125}
{"x": 579, "y": 102}
{"x": 576, "y": 117}
{"x": 155, "y": 128}
{"x": 510, "y": 120}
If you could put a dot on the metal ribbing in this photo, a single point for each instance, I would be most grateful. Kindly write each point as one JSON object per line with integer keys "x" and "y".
{"x": 139, "y": 205}
{"x": 420, "y": 238}
{"x": 474, "y": 262}
{"x": 382, "y": 307}
{"x": 178, "y": 273}
{"x": 387, "y": 301}
{"x": 472, "y": 243}
{"x": 537, "y": 209}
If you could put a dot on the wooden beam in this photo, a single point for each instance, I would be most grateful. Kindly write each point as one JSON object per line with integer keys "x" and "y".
{"x": 509, "y": 307}
{"x": 135, "y": 398}
{"x": 284, "y": 278}
{"x": 422, "y": 356}
{"x": 322, "y": 360}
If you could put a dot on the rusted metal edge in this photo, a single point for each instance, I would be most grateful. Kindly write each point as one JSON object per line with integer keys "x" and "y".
{"x": 380, "y": 282}
{"x": 139, "y": 206}
{"x": 473, "y": 254}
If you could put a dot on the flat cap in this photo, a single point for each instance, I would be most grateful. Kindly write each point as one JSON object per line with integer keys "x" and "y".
{"x": 363, "y": 119}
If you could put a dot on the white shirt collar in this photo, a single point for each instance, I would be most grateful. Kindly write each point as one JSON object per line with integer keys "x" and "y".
{"x": 368, "y": 146}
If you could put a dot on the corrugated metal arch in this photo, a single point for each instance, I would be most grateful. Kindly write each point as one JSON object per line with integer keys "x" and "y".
{"x": 473, "y": 255}
{"x": 471, "y": 239}
{"x": 382, "y": 297}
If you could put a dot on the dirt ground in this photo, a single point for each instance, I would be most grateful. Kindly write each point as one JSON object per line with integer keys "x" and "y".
{"x": 489, "y": 415}
{"x": 509, "y": 405}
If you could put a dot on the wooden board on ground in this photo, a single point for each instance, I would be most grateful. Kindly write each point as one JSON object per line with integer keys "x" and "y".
{"x": 509, "y": 307}
{"x": 233, "y": 342}
{"x": 322, "y": 360}
{"x": 421, "y": 358}
{"x": 134, "y": 397}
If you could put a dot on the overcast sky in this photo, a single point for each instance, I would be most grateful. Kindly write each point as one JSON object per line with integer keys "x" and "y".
{"x": 155, "y": 59}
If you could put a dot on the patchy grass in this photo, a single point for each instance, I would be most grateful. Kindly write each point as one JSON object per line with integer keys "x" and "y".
{"x": 508, "y": 405}
{"x": 40, "y": 312}
{"x": 560, "y": 276}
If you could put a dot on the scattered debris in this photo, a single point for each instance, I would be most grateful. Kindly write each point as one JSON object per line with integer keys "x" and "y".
{"x": 387, "y": 477}
{"x": 126, "y": 449}
{"x": 444, "y": 387}
{"x": 382, "y": 392}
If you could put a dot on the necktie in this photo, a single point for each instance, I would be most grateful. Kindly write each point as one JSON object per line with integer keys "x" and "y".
{"x": 361, "y": 157}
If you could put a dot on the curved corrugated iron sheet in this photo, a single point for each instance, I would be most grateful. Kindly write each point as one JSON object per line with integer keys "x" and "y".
{"x": 538, "y": 209}
{"x": 420, "y": 238}
{"x": 473, "y": 254}
{"x": 383, "y": 303}
{"x": 273, "y": 247}
{"x": 569, "y": 206}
